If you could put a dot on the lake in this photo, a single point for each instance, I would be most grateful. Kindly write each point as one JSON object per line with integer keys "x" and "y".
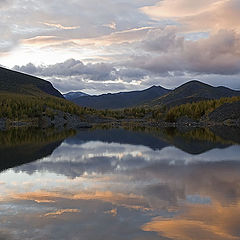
{"x": 120, "y": 183}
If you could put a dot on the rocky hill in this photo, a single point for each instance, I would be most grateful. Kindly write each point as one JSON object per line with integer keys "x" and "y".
{"x": 228, "y": 111}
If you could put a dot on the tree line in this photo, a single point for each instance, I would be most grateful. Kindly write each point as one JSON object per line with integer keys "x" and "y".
{"x": 22, "y": 107}
{"x": 19, "y": 107}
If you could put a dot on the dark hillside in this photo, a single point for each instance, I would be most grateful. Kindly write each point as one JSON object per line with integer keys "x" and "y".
{"x": 227, "y": 111}
{"x": 20, "y": 83}
{"x": 122, "y": 99}
{"x": 194, "y": 91}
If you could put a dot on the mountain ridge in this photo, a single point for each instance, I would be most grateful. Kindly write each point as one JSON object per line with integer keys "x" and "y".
{"x": 189, "y": 92}
{"x": 121, "y": 99}
{"x": 194, "y": 91}
{"x": 20, "y": 83}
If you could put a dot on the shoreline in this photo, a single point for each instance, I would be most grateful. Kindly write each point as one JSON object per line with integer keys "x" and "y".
{"x": 77, "y": 123}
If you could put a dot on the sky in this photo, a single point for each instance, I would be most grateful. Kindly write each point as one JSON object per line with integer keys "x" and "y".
{"x": 120, "y": 45}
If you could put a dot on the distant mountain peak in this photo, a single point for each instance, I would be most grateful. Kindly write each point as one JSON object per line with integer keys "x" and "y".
{"x": 155, "y": 87}
{"x": 195, "y": 82}
{"x": 194, "y": 91}
{"x": 74, "y": 94}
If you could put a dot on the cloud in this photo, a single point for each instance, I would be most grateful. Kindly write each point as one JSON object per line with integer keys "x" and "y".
{"x": 168, "y": 52}
{"x": 91, "y": 223}
{"x": 5, "y": 3}
{"x": 81, "y": 75}
{"x": 178, "y": 8}
{"x": 60, "y": 212}
{"x": 162, "y": 54}
{"x": 71, "y": 20}
{"x": 208, "y": 15}
{"x": 187, "y": 228}
{"x": 42, "y": 40}
{"x": 112, "y": 212}
{"x": 136, "y": 44}
{"x": 163, "y": 40}
{"x": 71, "y": 67}
{"x": 111, "y": 25}
{"x": 57, "y": 25}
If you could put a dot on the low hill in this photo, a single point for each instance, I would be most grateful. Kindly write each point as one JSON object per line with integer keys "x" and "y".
{"x": 20, "y": 83}
{"x": 122, "y": 99}
{"x": 73, "y": 95}
{"x": 227, "y": 111}
{"x": 30, "y": 101}
{"x": 194, "y": 91}
{"x": 204, "y": 109}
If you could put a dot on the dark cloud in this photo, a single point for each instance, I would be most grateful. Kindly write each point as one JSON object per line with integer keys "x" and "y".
{"x": 163, "y": 40}
{"x": 70, "y": 68}
{"x": 77, "y": 75}
{"x": 162, "y": 54}
{"x": 218, "y": 54}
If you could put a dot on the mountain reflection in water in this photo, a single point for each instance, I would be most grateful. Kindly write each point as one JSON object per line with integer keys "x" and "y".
{"x": 121, "y": 184}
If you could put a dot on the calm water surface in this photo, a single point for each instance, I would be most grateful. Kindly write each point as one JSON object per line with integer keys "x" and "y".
{"x": 120, "y": 184}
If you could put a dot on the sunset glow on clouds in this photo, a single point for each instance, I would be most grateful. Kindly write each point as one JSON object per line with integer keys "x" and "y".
{"x": 111, "y": 46}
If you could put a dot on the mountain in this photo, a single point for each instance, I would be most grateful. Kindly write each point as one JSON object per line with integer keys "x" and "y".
{"x": 193, "y": 91}
{"x": 121, "y": 99}
{"x": 73, "y": 95}
{"x": 20, "y": 83}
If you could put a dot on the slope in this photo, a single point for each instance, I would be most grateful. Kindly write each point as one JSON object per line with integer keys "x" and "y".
{"x": 193, "y": 91}
{"x": 122, "y": 99}
{"x": 20, "y": 83}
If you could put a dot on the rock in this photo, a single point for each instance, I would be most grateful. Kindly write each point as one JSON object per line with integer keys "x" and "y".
{"x": 63, "y": 120}
{"x": 228, "y": 113}
{"x": 185, "y": 121}
{"x": 3, "y": 124}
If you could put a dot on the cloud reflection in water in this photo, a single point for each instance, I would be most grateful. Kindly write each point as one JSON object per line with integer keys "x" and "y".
{"x": 109, "y": 190}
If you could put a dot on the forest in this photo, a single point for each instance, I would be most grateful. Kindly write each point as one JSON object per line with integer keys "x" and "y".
{"x": 23, "y": 107}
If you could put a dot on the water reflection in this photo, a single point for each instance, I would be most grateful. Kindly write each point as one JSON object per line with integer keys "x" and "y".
{"x": 126, "y": 184}
{"x": 19, "y": 146}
